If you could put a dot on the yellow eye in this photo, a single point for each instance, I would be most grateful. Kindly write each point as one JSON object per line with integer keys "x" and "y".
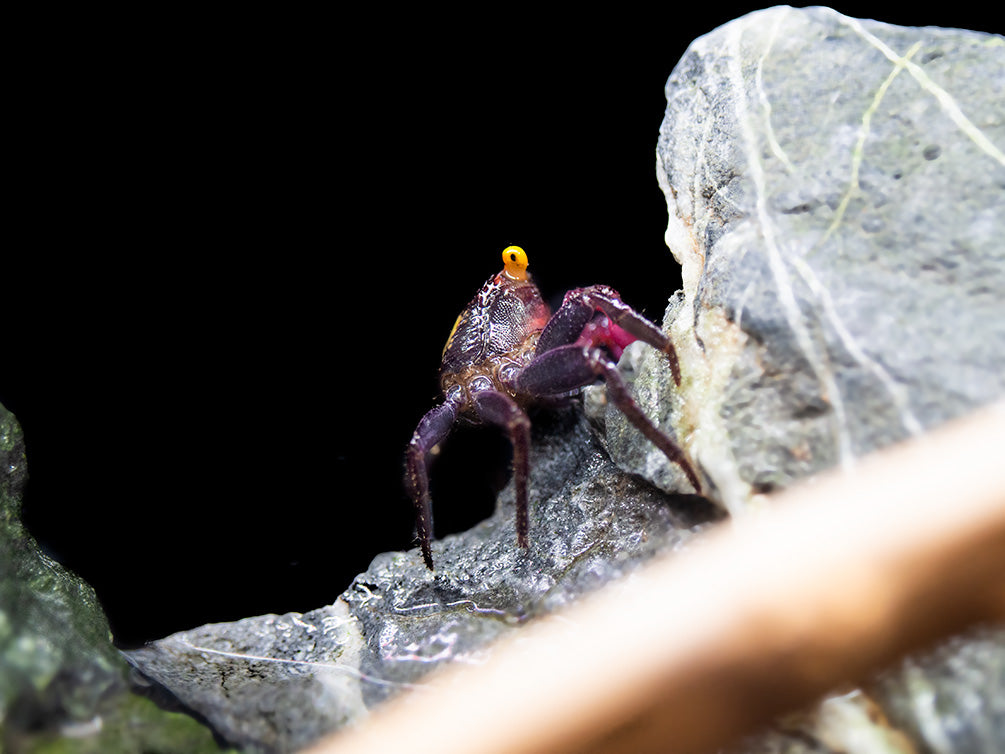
{"x": 515, "y": 262}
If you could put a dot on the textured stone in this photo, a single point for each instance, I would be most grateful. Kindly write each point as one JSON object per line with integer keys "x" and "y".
{"x": 835, "y": 199}
{"x": 274, "y": 683}
{"x": 835, "y": 190}
{"x": 950, "y": 699}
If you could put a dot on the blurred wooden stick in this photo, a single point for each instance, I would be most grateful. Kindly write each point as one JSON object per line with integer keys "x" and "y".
{"x": 836, "y": 579}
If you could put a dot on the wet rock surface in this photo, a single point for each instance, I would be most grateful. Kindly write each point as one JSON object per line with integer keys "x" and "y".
{"x": 56, "y": 654}
{"x": 274, "y": 683}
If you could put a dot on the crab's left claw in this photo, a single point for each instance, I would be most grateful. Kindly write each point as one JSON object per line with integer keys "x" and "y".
{"x": 578, "y": 308}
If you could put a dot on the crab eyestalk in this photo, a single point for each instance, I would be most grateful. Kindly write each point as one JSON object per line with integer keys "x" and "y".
{"x": 515, "y": 263}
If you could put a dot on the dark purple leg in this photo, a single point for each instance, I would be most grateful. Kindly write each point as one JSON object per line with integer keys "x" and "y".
{"x": 618, "y": 392}
{"x": 499, "y": 409}
{"x": 433, "y": 429}
{"x": 568, "y": 367}
{"x": 557, "y": 371}
{"x": 578, "y": 308}
{"x": 566, "y": 324}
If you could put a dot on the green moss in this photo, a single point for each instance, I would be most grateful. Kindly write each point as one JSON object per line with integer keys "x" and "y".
{"x": 13, "y": 468}
{"x": 134, "y": 725}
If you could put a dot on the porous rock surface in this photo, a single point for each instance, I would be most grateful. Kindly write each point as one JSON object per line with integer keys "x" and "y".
{"x": 275, "y": 683}
{"x": 835, "y": 192}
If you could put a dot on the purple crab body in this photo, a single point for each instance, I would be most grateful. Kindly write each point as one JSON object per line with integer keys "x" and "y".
{"x": 494, "y": 338}
{"x": 506, "y": 351}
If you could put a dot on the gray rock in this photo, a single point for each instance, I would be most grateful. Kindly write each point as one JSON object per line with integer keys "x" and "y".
{"x": 270, "y": 683}
{"x": 275, "y": 683}
{"x": 835, "y": 191}
{"x": 947, "y": 701}
{"x": 835, "y": 195}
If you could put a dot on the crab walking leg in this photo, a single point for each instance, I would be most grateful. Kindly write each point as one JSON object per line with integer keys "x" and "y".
{"x": 567, "y": 367}
{"x": 433, "y": 429}
{"x": 618, "y": 392}
{"x": 498, "y": 408}
{"x": 578, "y": 308}
{"x": 556, "y": 371}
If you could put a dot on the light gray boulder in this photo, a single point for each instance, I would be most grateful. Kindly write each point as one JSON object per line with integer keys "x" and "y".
{"x": 836, "y": 198}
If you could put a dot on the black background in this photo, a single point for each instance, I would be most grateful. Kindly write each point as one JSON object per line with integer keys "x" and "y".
{"x": 240, "y": 242}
